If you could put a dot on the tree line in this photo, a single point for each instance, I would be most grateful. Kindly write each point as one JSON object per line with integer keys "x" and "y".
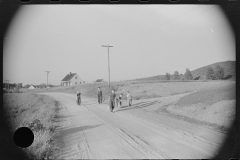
{"x": 211, "y": 74}
{"x": 12, "y": 85}
{"x": 20, "y": 85}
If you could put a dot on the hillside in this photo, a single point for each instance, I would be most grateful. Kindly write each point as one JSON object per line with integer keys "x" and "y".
{"x": 229, "y": 71}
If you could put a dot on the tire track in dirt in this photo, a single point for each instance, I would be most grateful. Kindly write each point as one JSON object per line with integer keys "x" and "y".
{"x": 184, "y": 133}
{"x": 132, "y": 140}
{"x": 130, "y": 134}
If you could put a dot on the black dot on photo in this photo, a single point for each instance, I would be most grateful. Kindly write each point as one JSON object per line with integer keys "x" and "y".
{"x": 23, "y": 137}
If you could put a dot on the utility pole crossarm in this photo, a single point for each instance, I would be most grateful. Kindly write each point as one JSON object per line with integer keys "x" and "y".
{"x": 106, "y": 46}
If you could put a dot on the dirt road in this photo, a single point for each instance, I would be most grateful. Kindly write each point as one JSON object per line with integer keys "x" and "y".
{"x": 90, "y": 131}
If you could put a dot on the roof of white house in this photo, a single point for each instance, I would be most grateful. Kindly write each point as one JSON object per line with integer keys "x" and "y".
{"x": 31, "y": 86}
{"x": 68, "y": 77}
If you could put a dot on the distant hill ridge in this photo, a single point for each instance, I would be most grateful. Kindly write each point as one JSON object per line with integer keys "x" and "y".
{"x": 229, "y": 71}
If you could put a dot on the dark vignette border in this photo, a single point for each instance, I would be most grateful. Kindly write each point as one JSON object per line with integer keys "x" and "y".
{"x": 231, "y": 8}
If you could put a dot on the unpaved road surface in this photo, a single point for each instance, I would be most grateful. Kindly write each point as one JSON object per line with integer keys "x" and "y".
{"x": 91, "y": 131}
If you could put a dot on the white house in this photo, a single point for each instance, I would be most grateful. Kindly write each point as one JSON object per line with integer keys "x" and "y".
{"x": 71, "y": 79}
{"x": 31, "y": 87}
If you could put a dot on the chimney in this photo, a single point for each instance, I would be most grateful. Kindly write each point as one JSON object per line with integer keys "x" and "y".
{"x": 70, "y": 73}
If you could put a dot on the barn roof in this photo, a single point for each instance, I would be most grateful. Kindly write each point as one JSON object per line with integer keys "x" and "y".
{"x": 68, "y": 77}
{"x": 99, "y": 80}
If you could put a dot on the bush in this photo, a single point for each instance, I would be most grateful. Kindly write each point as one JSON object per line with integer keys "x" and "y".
{"x": 219, "y": 72}
{"x": 167, "y": 76}
{"x": 210, "y": 73}
{"x": 176, "y": 75}
{"x": 188, "y": 75}
{"x": 227, "y": 77}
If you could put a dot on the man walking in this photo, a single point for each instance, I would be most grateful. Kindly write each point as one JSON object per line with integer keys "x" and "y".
{"x": 112, "y": 98}
{"x": 99, "y": 93}
{"x": 129, "y": 98}
{"x": 79, "y": 97}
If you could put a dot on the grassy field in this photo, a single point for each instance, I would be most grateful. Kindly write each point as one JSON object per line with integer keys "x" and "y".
{"x": 36, "y": 112}
{"x": 138, "y": 89}
{"x": 209, "y": 96}
{"x": 203, "y": 102}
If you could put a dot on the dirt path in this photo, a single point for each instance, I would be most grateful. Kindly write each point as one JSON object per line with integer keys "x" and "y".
{"x": 90, "y": 131}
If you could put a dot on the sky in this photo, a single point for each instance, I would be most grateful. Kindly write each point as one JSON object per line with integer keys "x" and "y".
{"x": 147, "y": 40}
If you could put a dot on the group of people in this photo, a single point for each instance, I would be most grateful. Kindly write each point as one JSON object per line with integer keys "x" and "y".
{"x": 113, "y": 99}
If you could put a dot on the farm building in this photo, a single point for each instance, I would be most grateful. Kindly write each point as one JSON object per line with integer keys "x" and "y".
{"x": 99, "y": 80}
{"x": 31, "y": 87}
{"x": 71, "y": 79}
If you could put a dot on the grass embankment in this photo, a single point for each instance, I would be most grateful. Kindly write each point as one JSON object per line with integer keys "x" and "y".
{"x": 154, "y": 90}
{"x": 36, "y": 112}
{"x": 209, "y": 97}
{"x": 213, "y": 107}
{"x": 138, "y": 89}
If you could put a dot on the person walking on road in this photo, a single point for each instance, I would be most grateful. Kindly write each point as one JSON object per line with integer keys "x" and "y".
{"x": 120, "y": 99}
{"x": 99, "y": 93}
{"x": 79, "y": 97}
{"x": 129, "y": 98}
{"x": 117, "y": 100}
{"x": 112, "y": 99}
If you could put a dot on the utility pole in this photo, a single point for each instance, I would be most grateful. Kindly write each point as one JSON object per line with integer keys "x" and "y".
{"x": 108, "y": 65}
{"x": 7, "y": 84}
{"x": 47, "y": 77}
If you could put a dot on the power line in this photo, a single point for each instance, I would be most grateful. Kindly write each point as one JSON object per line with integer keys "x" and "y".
{"x": 157, "y": 27}
{"x": 150, "y": 29}
{"x": 161, "y": 30}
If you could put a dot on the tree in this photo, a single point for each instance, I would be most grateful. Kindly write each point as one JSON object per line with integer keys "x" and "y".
{"x": 219, "y": 72}
{"x": 188, "y": 75}
{"x": 210, "y": 73}
{"x": 20, "y": 85}
{"x": 176, "y": 75}
{"x": 27, "y": 86}
{"x": 13, "y": 85}
{"x": 167, "y": 76}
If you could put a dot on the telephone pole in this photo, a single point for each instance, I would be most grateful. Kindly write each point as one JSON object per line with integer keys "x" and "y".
{"x": 7, "y": 84}
{"x": 47, "y": 76}
{"x": 108, "y": 65}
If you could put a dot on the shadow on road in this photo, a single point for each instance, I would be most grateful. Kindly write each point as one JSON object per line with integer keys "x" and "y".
{"x": 86, "y": 104}
{"x": 138, "y": 105}
{"x": 60, "y": 118}
{"x": 67, "y": 131}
